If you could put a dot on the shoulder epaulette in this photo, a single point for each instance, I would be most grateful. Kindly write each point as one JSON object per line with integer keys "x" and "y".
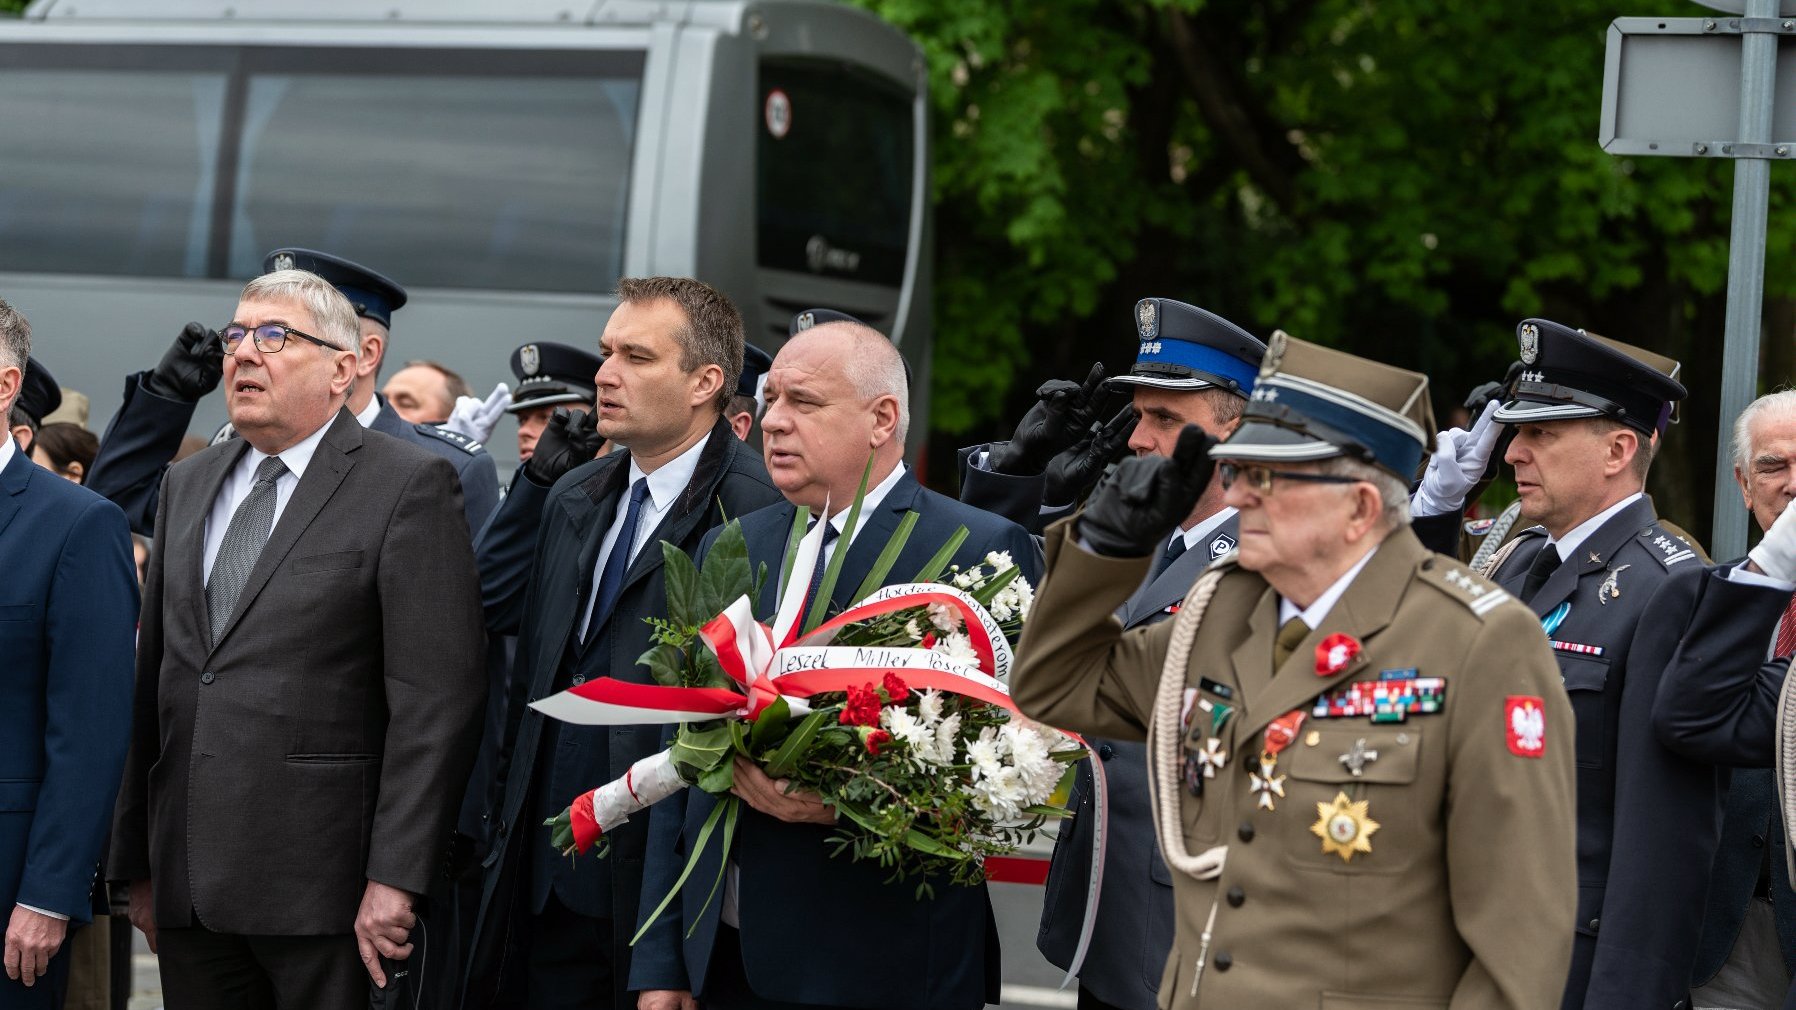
{"x": 1466, "y": 587}
{"x": 224, "y": 434}
{"x": 1666, "y": 547}
{"x": 450, "y": 435}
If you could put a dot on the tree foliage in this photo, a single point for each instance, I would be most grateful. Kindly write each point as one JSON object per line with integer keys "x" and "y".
{"x": 1403, "y": 178}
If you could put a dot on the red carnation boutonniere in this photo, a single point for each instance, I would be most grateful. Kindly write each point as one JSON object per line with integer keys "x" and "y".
{"x": 1337, "y": 652}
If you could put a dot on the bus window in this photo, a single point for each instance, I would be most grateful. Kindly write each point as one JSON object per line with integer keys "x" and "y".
{"x": 467, "y": 172}
{"x": 109, "y": 169}
{"x": 834, "y": 171}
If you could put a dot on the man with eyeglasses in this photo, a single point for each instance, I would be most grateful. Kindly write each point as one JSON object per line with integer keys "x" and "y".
{"x": 305, "y": 715}
{"x": 1586, "y": 413}
{"x": 1350, "y": 738}
{"x": 158, "y": 404}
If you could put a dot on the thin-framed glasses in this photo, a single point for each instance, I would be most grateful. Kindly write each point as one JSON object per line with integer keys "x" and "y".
{"x": 269, "y": 338}
{"x": 1259, "y": 478}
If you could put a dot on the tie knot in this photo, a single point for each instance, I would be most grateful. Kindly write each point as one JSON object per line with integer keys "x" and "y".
{"x": 269, "y": 470}
{"x": 1176, "y": 548}
{"x": 1290, "y": 635}
{"x": 639, "y": 490}
{"x": 830, "y": 533}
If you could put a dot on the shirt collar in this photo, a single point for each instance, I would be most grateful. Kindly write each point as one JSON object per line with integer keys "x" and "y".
{"x": 1204, "y": 529}
{"x": 7, "y": 448}
{"x": 1568, "y": 544}
{"x": 1314, "y": 614}
{"x": 297, "y": 457}
{"x": 666, "y": 483}
{"x": 370, "y": 412}
{"x": 869, "y": 504}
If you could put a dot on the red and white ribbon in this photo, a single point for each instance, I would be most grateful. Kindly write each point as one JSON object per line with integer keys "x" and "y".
{"x": 649, "y": 781}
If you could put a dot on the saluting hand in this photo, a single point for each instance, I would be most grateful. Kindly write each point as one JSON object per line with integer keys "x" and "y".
{"x": 383, "y": 928}
{"x": 191, "y": 367}
{"x": 1072, "y": 473}
{"x": 1459, "y": 460}
{"x": 1140, "y": 503}
{"x": 476, "y": 418}
{"x": 567, "y": 441}
{"x": 1775, "y": 555}
{"x": 1062, "y": 414}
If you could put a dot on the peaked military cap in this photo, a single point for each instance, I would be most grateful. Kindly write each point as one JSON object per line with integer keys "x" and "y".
{"x": 1312, "y": 402}
{"x": 755, "y": 363}
{"x": 816, "y": 317}
{"x": 1184, "y": 347}
{"x": 550, "y": 373}
{"x": 39, "y": 394}
{"x": 374, "y": 295}
{"x": 1568, "y": 374}
{"x": 1671, "y": 368}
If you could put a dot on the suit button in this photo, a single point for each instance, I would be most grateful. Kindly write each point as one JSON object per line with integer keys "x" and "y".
{"x": 502, "y": 828}
{"x": 1106, "y": 752}
{"x": 1594, "y": 923}
{"x": 579, "y": 679}
{"x": 206, "y": 678}
{"x": 1237, "y": 897}
{"x": 1758, "y": 841}
{"x": 1223, "y": 961}
{"x": 1245, "y": 831}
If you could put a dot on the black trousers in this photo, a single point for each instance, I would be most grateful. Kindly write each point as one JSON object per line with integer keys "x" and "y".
{"x": 203, "y": 970}
{"x": 726, "y": 983}
{"x": 568, "y": 964}
{"x": 1087, "y": 1001}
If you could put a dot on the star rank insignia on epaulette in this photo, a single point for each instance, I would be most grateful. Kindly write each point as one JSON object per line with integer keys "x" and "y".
{"x": 451, "y": 436}
{"x": 1667, "y": 548}
{"x": 1478, "y": 596}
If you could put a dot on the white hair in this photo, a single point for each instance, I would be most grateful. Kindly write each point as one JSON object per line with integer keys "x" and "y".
{"x": 15, "y": 349}
{"x": 331, "y": 312}
{"x": 875, "y": 368}
{"x": 1782, "y": 404}
{"x": 1393, "y": 492}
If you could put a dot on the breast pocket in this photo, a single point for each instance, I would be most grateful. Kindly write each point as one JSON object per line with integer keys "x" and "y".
{"x": 17, "y": 612}
{"x": 335, "y": 561}
{"x": 1585, "y": 679}
{"x": 1372, "y": 815}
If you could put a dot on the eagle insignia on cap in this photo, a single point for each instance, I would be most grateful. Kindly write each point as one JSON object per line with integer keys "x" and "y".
{"x": 283, "y": 261}
{"x": 1529, "y": 338}
{"x": 806, "y": 320}
{"x": 1147, "y": 317}
{"x": 531, "y": 358}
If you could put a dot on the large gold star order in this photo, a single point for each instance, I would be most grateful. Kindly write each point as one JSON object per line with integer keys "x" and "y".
{"x": 1344, "y": 827}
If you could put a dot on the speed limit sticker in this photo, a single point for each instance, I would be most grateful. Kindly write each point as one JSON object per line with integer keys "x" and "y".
{"x": 777, "y": 112}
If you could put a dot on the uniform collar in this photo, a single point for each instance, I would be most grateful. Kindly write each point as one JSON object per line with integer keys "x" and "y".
{"x": 1568, "y": 545}
{"x": 1204, "y": 529}
{"x": 1314, "y": 614}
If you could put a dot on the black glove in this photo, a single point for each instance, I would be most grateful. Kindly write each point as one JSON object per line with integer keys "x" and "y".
{"x": 567, "y": 441}
{"x": 1062, "y": 415}
{"x": 1138, "y": 506}
{"x": 190, "y": 368}
{"x": 1074, "y": 472}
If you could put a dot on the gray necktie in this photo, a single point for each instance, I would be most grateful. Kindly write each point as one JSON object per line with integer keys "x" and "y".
{"x": 243, "y": 542}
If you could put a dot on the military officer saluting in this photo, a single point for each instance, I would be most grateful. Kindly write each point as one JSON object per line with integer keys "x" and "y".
{"x": 1359, "y": 750}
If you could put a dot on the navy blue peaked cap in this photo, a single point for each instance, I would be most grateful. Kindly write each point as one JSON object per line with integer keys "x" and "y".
{"x": 373, "y": 294}
{"x": 1185, "y": 347}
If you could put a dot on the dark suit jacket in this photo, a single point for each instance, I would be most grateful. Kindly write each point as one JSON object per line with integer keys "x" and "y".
{"x": 878, "y": 946}
{"x": 143, "y": 435}
{"x": 537, "y": 558}
{"x": 68, "y": 612}
{"x": 1018, "y": 499}
{"x": 1134, "y": 924}
{"x": 325, "y": 739}
{"x": 1641, "y": 883}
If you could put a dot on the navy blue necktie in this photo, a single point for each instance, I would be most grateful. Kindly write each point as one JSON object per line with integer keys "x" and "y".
{"x": 611, "y": 579}
{"x": 1169, "y": 555}
{"x": 830, "y": 534}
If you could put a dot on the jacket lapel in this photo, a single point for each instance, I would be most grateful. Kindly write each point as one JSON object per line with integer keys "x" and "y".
{"x": 1362, "y": 612}
{"x": 330, "y": 464}
{"x": 1593, "y": 555}
{"x": 1171, "y": 585}
{"x": 13, "y": 481}
{"x": 188, "y": 548}
{"x": 870, "y": 539}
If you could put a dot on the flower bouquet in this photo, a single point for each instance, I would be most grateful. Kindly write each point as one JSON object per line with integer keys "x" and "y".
{"x": 894, "y": 712}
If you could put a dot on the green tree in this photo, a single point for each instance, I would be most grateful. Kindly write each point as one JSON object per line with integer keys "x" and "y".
{"x": 1403, "y": 178}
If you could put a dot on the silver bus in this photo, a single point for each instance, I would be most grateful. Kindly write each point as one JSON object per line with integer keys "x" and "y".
{"x": 505, "y": 160}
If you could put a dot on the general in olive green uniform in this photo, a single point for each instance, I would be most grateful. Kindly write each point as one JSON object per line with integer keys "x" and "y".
{"x": 1385, "y": 817}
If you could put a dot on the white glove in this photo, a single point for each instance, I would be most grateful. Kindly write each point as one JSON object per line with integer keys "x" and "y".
{"x": 1459, "y": 459}
{"x": 476, "y": 419}
{"x": 1776, "y": 553}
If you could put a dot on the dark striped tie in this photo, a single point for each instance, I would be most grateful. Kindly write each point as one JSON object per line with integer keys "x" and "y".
{"x": 243, "y": 542}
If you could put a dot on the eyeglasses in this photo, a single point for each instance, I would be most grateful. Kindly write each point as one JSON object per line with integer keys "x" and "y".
{"x": 269, "y": 338}
{"x": 1259, "y": 478}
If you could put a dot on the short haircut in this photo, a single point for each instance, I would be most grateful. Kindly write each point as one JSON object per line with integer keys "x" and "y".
{"x": 67, "y": 443}
{"x": 15, "y": 349}
{"x": 1391, "y": 489}
{"x": 17, "y": 418}
{"x": 1225, "y": 405}
{"x": 713, "y": 331}
{"x": 740, "y": 404}
{"x": 331, "y": 312}
{"x": 874, "y": 366}
{"x": 458, "y": 386}
{"x": 1781, "y": 404}
{"x": 1643, "y": 457}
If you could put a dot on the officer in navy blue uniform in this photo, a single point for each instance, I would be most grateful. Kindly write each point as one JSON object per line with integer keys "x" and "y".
{"x": 745, "y": 406}
{"x": 550, "y": 376}
{"x": 38, "y": 397}
{"x": 1192, "y": 367}
{"x": 1585, "y": 412}
{"x": 146, "y": 432}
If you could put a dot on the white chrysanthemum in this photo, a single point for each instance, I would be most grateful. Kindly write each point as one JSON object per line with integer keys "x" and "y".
{"x": 999, "y": 560}
{"x": 1001, "y": 796}
{"x": 1013, "y": 601}
{"x": 944, "y": 617}
{"x": 986, "y": 754}
{"x": 947, "y": 738}
{"x": 956, "y": 645}
{"x": 1030, "y": 756}
{"x": 906, "y": 729}
{"x": 914, "y": 630}
{"x": 929, "y": 705}
{"x": 969, "y": 578}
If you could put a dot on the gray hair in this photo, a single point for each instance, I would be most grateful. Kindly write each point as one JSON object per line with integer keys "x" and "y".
{"x": 875, "y": 368}
{"x": 1781, "y": 403}
{"x": 331, "y": 312}
{"x": 1393, "y": 491}
{"x": 15, "y": 342}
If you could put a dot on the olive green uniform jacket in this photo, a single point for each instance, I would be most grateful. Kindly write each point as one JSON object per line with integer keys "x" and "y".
{"x": 1466, "y": 897}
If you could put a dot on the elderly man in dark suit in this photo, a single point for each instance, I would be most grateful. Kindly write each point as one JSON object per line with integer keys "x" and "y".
{"x": 68, "y": 607}
{"x": 571, "y": 563}
{"x": 836, "y": 393}
{"x": 309, "y": 680}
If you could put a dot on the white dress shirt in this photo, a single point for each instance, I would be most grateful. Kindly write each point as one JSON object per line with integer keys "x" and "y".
{"x": 1568, "y": 544}
{"x": 242, "y": 478}
{"x": 369, "y": 413}
{"x": 1202, "y": 530}
{"x": 1314, "y": 614}
{"x": 665, "y": 485}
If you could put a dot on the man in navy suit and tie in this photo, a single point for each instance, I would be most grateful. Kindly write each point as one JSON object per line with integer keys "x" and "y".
{"x": 794, "y": 926}
{"x": 68, "y": 615}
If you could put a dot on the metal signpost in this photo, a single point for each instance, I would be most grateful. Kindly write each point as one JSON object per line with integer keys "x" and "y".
{"x": 1706, "y": 88}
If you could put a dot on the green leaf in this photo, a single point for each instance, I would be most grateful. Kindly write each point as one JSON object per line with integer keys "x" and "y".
{"x": 726, "y": 575}
{"x": 696, "y": 751}
{"x": 924, "y": 843}
{"x": 683, "y": 604}
{"x": 882, "y": 565}
{"x": 718, "y": 780}
{"x": 933, "y": 569}
{"x": 769, "y": 726}
{"x": 729, "y": 835}
{"x": 989, "y": 592}
{"x": 801, "y": 519}
{"x": 698, "y": 849}
{"x": 786, "y": 758}
{"x": 666, "y": 663}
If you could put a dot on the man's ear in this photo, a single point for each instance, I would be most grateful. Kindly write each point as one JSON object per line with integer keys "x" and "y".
{"x": 1745, "y": 491}
{"x": 1620, "y": 441}
{"x": 705, "y": 389}
{"x": 346, "y": 368}
{"x": 885, "y": 420}
{"x": 371, "y": 351}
